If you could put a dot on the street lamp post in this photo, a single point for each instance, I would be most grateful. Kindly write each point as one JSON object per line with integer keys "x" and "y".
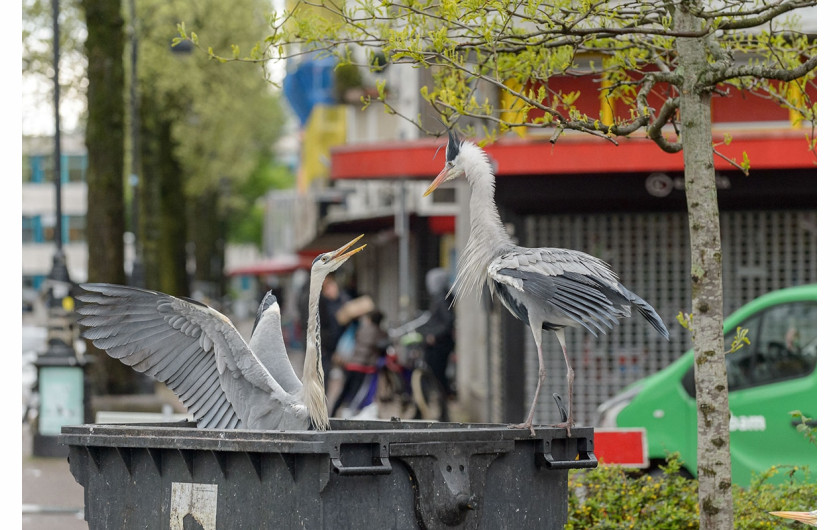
{"x": 63, "y": 399}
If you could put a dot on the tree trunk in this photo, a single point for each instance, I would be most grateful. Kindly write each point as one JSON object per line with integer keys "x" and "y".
{"x": 162, "y": 208}
{"x": 163, "y": 219}
{"x": 149, "y": 189}
{"x": 173, "y": 219}
{"x": 713, "y": 460}
{"x": 209, "y": 239}
{"x": 104, "y": 138}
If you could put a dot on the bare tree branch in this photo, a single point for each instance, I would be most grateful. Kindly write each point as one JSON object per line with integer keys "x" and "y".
{"x": 764, "y": 14}
{"x": 654, "y": 130}
{"x": 735, "y": 164}
{"x": 767, "y": 72}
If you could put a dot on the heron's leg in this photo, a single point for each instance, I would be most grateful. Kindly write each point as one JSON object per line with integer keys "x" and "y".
{"x": 570, "y": 378}
{"x": 529, "y": 421}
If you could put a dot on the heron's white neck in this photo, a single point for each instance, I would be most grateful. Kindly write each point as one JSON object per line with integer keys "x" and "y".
{"x": 314, "y": 396}
{"x": 488, "y": 238}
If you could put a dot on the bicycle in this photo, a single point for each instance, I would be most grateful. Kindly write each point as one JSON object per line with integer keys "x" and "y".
{"x": 401, "y": 383}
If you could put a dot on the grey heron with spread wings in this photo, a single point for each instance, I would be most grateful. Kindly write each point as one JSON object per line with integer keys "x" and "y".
{"x": 197, "y": 352}
{"x": 547, "y": 288}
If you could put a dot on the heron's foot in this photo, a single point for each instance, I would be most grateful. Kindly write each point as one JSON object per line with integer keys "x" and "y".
{"x": 525, "y": 425}
{"x": 566, "y": 425}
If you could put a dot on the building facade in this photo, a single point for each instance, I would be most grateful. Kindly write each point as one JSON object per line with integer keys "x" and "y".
{"x": 623, "y": 204}
{"x": 38, "y": 210}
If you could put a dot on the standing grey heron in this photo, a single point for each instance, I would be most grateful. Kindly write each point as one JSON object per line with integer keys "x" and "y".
{"x": 547, "y": 288}
{"x": 199, "y": 354}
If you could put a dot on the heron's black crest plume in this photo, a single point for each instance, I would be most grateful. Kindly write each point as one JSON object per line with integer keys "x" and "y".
{"x": 453, "y": 147}
{"x": 267, "y": 301}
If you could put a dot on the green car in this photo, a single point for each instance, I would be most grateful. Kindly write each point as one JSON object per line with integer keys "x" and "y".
{"x": 772, "y": 376}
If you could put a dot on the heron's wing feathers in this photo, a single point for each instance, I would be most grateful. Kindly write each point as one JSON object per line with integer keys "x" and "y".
{"x": 569, "y": 299}
{"x": 575, "y": 285}
{"x": 190, "y": 347}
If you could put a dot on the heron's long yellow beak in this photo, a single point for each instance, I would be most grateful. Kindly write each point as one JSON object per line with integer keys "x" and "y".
{"x": 440, "y": 179}
{"x": 803, "y": 517}
{"x": 340, "y": 253}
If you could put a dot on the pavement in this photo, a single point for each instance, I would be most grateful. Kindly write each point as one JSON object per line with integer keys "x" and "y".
{"x": 51, "y": 496}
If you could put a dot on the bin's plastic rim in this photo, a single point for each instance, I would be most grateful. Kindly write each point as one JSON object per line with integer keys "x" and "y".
{"x": 184, "y": 435}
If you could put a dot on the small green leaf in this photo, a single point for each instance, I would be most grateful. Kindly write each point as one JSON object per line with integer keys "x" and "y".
{"x": 745, "y": 164}
{"x": 740, "y": 339}
{"x": 685, "y": 319}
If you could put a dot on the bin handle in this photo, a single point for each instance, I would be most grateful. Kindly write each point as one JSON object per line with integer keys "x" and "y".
{"x": 383, "y": 469}
{"x": 587, "y": 460}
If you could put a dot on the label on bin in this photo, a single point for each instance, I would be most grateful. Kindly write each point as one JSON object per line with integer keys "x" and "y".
{"x": 193, "y": 501}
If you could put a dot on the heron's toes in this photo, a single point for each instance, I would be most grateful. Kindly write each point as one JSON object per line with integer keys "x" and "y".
{"x": 565, "y": 425}
{"x": 525, "y": 425}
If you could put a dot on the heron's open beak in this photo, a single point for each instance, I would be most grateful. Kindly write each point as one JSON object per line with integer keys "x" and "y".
{"x": 803, "y": 517}
{"x": 447, "y": 174}
{"x": 340, "y": 253}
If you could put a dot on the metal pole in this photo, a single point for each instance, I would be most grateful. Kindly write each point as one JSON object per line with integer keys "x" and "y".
{"x": 401, "y": 223}
{"x": 137, "y": 273}
{"x": 57, "y": 144}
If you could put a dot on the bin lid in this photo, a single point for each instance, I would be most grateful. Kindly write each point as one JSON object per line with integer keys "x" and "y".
{"x": 185, "y": 435}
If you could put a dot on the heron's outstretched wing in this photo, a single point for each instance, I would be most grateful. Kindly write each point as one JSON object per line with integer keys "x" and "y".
{"x": 192, "y": 348}
{"x": 268, "y": 345}
{"x": 575, "y": 286}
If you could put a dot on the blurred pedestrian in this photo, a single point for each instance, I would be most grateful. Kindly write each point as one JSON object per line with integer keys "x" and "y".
{"x": 371, "y": 344}
{"x": 438, "y": 332}
{"x": 332, "y": 298}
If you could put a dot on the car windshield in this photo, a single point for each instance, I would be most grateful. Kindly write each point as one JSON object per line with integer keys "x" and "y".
{"x": 783, "y": 345}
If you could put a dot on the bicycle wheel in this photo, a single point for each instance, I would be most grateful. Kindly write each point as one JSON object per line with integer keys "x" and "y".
{"x": 429, "y": 396}
{"x": 393, "y": 396}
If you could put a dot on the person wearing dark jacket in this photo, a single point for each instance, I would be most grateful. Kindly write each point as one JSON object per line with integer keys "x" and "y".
{"x": 438, "y": 331}
{"x": 332, "y": 298}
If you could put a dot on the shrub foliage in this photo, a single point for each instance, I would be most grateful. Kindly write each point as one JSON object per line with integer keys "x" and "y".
{"x": 614, "y": 497}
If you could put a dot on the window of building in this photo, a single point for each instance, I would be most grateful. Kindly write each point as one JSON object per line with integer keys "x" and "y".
{"x": 27, "y": 168}
{"x": 32, "y": 229}
{"x": 47, "y": 226}
{"x": 44, "y": 170}
{"x": 76, "y": 168}
{"x": 41, "y": 228}
{"x": 75, "y": 228}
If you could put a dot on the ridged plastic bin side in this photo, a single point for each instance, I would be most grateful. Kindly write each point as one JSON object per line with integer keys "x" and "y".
{"x": 365, "y": 475}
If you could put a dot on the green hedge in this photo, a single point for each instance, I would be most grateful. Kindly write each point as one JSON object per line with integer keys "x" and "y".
{"x": 611, "y": 497}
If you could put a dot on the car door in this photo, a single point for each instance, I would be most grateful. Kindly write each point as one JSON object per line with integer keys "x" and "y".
{"x": 772, "y": 376}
